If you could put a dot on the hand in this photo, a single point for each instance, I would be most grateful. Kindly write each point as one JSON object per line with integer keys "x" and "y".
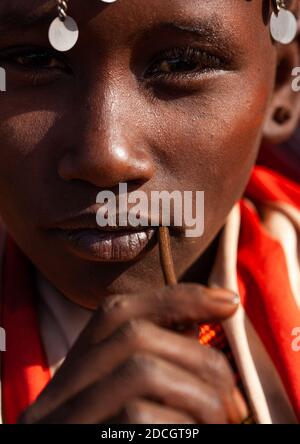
{"x": 133, "y": 364}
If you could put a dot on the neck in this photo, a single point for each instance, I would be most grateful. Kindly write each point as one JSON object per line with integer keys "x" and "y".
{"x": 200, "y": 271}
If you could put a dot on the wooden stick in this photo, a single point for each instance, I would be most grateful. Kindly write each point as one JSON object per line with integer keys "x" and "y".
{"x": 166, "y": 258}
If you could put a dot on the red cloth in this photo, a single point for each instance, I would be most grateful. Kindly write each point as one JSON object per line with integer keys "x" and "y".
{"x": 264, "y": 285}
{"x": 24, "y": 370}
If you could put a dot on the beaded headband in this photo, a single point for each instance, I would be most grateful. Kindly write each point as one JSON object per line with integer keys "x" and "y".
{"x": 64, "y": 32}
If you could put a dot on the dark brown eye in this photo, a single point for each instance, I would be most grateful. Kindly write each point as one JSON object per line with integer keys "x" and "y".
{"x": 33, "y": 58}
{"x": 38, "y": 61}
{"x": 182, "y": 61}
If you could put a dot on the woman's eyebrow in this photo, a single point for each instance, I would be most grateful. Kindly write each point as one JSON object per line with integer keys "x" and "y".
{"x": 23, "y": 17}
{"x": 209, "y": 30}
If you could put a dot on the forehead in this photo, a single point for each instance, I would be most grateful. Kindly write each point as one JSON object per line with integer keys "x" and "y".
{"x": 9, "y": 8}
{"x": 38, "y": 8}
{"x": 236, "y": 21}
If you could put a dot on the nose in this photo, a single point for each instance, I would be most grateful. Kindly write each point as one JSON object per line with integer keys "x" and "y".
{"x": 109, "y": 147}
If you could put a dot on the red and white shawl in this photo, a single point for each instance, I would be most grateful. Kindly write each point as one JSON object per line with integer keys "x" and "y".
{"x": 258, "y": 257}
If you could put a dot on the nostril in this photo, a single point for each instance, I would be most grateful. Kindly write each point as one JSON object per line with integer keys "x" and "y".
{"x": 105, "y": 164}
{"x": 63, "y": 169}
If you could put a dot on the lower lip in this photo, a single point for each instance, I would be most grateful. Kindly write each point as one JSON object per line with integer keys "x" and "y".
{"x": 106, "y": 246}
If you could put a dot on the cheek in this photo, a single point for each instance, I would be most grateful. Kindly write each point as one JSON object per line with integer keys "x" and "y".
{"x": 22, "y": 151}
{"x": 24, "y": 132}
{"x": 214, "y": 143}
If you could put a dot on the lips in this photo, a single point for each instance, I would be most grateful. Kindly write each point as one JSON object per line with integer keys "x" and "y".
{"x": 117, "y": 245}
{"x": 83, "y": 237}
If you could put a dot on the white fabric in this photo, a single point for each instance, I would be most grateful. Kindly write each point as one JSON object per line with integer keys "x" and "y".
{"x": 61, "y": 321}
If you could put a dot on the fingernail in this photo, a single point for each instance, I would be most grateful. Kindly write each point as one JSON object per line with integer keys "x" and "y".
{"x": 226, "y": 296}
{"x": 236, "y": 299}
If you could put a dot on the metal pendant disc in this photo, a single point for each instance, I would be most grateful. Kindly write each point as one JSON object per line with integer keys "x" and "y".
{"x": 283, "y": 26}
{"x": 63, "y": 35}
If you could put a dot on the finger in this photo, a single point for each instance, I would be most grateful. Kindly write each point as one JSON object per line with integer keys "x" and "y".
{"x": 141, "y": 376}
{"x": 139, "y": 335}
{"x": 142, "y": 411}
{"x": 209, "y": 364}
{"x": 171, "y": 307}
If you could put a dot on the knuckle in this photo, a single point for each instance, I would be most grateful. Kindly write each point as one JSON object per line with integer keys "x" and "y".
{"x": 133, "y": 332}
{"x": 132, "y": 412}
{"x": 111, "y": 312}
{"x": 141, "y": 365}
{"x": 223, "y": 375}
{"x": 113, "y": 305}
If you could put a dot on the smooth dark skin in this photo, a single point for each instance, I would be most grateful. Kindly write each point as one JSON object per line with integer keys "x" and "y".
{"x": 61, "y": 134}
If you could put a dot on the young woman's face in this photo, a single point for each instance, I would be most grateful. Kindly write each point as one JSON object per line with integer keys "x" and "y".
{"x": 163, "y": 95}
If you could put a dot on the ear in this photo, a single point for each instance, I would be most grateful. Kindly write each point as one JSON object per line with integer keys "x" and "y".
{"x": 284, "y": 110}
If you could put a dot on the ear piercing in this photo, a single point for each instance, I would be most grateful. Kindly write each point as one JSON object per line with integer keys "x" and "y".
{"x": 63, "y": 31}
{"x": 283, "y": 24}
{"x": 282, "y": 115}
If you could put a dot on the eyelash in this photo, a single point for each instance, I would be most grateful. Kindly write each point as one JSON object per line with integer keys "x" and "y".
{"x": 194, "y": 59}
{"x": 173, "y": 64}
{"x": 21, "y": 56}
